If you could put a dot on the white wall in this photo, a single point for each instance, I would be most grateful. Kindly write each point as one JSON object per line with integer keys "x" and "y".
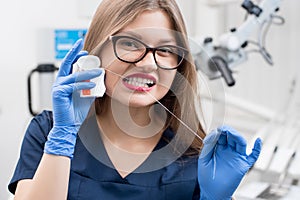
{"x": 21, "y": 23}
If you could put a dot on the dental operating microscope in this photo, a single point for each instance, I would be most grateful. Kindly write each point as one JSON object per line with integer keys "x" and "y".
{"x": 278, "y": 168}
{"x": 219, "y": 60}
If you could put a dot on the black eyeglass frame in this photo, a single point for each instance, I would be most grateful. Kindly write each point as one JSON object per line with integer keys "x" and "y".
{"x": 115, "y": 38}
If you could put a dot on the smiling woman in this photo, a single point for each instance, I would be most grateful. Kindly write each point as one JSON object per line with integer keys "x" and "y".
{"x": 142, "y": 139}
{"x": 141, "y": 61}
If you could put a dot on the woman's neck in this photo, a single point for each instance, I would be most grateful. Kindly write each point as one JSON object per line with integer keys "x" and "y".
{"x": 115, "y": 111}
{"x": 130, "y": 128}
{"x": 129, "y": 134}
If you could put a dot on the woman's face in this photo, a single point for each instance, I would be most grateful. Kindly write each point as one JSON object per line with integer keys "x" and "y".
{"x": 141, "y": 83}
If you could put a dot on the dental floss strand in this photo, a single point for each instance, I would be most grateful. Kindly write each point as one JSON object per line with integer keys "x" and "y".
{"x": 176, "y": 117}
{"x": 215, "y": 148}
{"x": 164, "y": 108}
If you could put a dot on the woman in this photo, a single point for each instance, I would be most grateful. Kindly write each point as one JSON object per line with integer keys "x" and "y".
{"x": 143, "y": 138}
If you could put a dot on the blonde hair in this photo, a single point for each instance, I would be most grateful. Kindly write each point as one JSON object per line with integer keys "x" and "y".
{"x": 111, "y": 17}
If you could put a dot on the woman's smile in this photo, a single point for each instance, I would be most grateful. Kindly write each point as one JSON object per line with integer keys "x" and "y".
{"x": 139, "y": 82}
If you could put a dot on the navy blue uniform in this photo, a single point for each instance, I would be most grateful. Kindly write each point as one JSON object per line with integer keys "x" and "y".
{"x": 91, "y": 179}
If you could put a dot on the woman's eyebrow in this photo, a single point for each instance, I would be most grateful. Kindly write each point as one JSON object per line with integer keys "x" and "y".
{"x": 131, "y": 33}
{"x": 166, "y": 40}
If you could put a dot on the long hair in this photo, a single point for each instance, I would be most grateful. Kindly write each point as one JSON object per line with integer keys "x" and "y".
{"x": 111, "y": 17}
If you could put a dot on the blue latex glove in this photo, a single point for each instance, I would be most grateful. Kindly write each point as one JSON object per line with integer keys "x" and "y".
{"x": 223, "y": 163}
{"x": 69, "y": 109}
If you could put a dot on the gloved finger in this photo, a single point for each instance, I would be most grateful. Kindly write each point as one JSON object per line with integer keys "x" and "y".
{"x": 252, "y": 158}
{"x": 81, "y": 53}
{"x": 225, "y": 128}
{"x": 236, "y": 141}
{"x": 86, "y": 75}
{"x": 67, "y": 90}
{"x": 77, "y": 99}
{"x": 83, "y": 86}
{"x": 212, "y": 137}
{"x": 241, "y": 149}
{"x": 66, "y": 65}
{"x": 222, "y": 139}
{"x": 223, "y": 136}
{"x": 231, "y": 143}
{"x": 81, "y": 76}
{"x": 209, "y": 142}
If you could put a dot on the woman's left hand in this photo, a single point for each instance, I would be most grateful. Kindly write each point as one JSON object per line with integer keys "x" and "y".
{"x": 223, "y": 163}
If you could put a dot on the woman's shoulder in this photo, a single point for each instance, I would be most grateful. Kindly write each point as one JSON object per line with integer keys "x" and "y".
{"x": 40, "y": 125}
{"x": 45, "y": 117}
{"x": 32, "y": 148}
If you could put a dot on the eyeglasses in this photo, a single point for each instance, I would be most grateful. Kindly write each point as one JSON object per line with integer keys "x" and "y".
{"x": 131, "y": 50}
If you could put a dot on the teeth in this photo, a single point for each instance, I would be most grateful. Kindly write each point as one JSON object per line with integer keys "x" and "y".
{"x": 139, "y": 82}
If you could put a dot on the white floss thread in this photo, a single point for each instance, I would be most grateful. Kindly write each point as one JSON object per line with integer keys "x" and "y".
{"x": 191, "y": 130}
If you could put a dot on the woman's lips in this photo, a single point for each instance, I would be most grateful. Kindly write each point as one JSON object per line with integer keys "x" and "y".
{"x": 139, "y": 82}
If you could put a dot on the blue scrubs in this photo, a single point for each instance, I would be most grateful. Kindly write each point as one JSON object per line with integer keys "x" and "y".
{"x": 91, "y": 179}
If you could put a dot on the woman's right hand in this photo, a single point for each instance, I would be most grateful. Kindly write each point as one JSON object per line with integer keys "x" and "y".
{"x": 69, "y": 109}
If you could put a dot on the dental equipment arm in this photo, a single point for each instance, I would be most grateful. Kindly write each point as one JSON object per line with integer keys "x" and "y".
{"x": 219, "y": 60}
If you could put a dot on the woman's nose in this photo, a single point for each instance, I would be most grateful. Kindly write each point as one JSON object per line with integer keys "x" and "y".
{"x": 147, "y": 63}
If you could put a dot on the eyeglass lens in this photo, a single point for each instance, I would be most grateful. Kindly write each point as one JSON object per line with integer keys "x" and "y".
{"x": 132, "y": 50}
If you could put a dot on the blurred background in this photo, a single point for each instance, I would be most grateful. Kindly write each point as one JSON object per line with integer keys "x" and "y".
{"x": 263, "y": 100}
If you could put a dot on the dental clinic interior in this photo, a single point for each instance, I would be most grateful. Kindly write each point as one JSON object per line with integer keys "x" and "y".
{"x": 254, "y": 85}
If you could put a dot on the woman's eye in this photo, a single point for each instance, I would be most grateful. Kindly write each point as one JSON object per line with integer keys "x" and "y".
{"x": 128, "y": 45}
{"x": 166, "y": 51}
